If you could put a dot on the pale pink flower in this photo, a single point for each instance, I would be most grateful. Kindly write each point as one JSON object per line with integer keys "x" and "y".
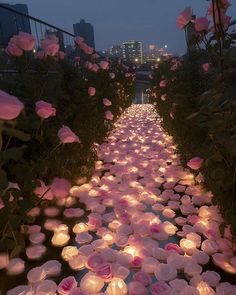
{"x": 92, "y": 91}
{"x": 13, "y": 50}
{"x": 206, "y": 67}
{"x": 95, "y": 260}
{"x": 60, "y": 187}
{"x": 44, "y": 190}
{"x": 136, "y": 288}
{"x": 195, "y": 163}
{"x": 10, "y": 106}
{"x": 66, "y": 135}
{"x": 67, "y": 285}
{"x": 165, "y": 272}
{"x": 160, "y": 288}
{"x": 106, "y": 102}
{"x": 184, "y": 18}
{"x": 61, "y": 55}
{"x": 104, "y": 65}
{"x": 143, "y": 278}
{"x": 104, "y": 271}
{"x": 201, "y": 24}
{"x": 94, "y": 221}
{"x": 44, "y": 109}
{"x": 109, "y": 115}
{"x": 79, "y": 40}
{"x": 50, "y": 45}
{"x": 163, "y": 83}
{"x": 25, "y": 41}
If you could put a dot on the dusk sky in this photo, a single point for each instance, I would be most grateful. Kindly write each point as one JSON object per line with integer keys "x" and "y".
{"x": 150, "y": 21}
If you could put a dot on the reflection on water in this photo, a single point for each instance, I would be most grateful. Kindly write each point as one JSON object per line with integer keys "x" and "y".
{"x": 140, "y": 90}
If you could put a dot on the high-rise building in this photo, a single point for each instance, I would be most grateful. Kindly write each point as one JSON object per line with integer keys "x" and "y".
{"x": 116, "y": 51}
{"x": 86, "y": 31}
{"x": 12, "y": 23}
{"x": 133, "y": 51}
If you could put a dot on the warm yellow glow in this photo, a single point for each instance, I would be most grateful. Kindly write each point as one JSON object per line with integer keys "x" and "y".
{"x": 117, "y": 287}
{"x": 131, "y": 250}
{"x": 80, "y": 228}
{"x": 108, "y": 238}
{"x": 60, "y": 239}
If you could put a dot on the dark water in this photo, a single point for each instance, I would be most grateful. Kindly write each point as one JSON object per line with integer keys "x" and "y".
{"x": 140, "y": 89}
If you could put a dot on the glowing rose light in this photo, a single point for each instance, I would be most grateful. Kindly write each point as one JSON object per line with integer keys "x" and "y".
{"x": 188, "y": 246}
{"x": 136, "y": 288}
{"x": 69, "y": 252}
{"x": 91, "y": 283}
{"x": 117, "y": 287}
{"x": 60, "y": 239}
{"x": 78, "y": 262}
{"x": 109, "y": 116}
{"x": 106, "y": 102}
{"x": 80, "y": 228}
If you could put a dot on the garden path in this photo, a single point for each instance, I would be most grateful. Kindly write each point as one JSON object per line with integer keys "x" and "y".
{"x": 152, "y": 226}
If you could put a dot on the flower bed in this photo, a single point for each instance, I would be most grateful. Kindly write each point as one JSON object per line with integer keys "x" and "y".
{"x": 54, "y": 112}
{"x": 196, "y": 97}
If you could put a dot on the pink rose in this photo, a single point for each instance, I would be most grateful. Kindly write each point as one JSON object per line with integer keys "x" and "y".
{"x": 94, "y": 221}
{"x": 163, "y": 83}
{"x": 195, "y": 163}
{"x": 155, "y": 228}
{"x": 66, "y": 135}
{"x": 10, "y": 106}
{"x": 25, "y": 41}
{"x": 137, "y": 261}
{"x": 109, "y": 115}
{"x": 106, "y": 102}
{"x": 44, "y": 109}
{"x": 143, "y": 278}
{"x": 92, "y": 91}
{"x": 104, "y": 271}
{"x": 160, "y": 288}
{"x": 13, "y": 50}
{"x": 136, "y": 288}
{"x": 173, "y": 247}
{"x": 206, "y": 67}
{"x": 94, "y": 261}
{"x": 201, "y": 24}
{"x": 67, "y": 285}
{"x": 184, "y": 18}
{"x": 60, "y": 187}
{"x": 44, "y": 191}
{"x": 61, "y": 55}
{"x": 104, "y": 65}
{"x": 50, "y": 45}
{"x": 79, "y": 40}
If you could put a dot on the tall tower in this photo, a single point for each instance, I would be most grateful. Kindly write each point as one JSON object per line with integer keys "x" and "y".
{"x": 12, "y": 23}
{"x": 86, "y": 31}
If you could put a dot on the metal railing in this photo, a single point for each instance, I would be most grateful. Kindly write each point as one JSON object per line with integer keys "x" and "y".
{"x": 20, "y": 21}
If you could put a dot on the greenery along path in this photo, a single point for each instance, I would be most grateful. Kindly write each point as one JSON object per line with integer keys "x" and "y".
{"x": 150, "y": 228}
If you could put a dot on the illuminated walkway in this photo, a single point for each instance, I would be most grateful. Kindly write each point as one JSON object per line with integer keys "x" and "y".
{"x": 150, "y": 227}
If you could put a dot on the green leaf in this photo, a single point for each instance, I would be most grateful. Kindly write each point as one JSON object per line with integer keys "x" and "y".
{"x": 12, "y": 154}
{"x": 16, "y": 133}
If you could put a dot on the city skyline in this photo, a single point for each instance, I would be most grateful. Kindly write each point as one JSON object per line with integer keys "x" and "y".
{"x": 115, "y": 22}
